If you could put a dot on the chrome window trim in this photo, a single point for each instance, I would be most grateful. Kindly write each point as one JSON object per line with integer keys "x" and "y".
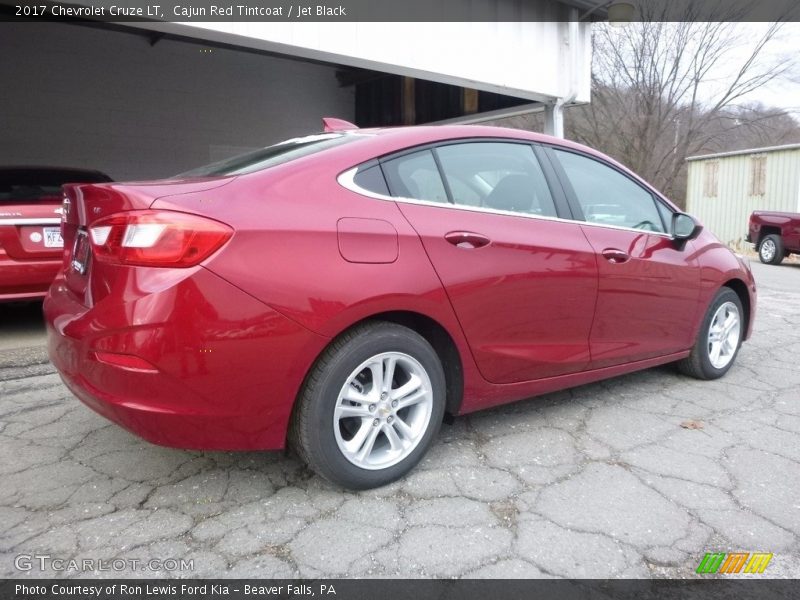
{"x": 41, "y": 221}
{"x": 347, "y": 180}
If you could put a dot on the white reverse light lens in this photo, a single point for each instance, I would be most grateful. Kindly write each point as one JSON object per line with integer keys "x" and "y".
{"x": 100, "y": 234}
{"x": 144, "y": 235}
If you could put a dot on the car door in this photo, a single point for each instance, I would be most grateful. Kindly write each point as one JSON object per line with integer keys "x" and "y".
{"x": 649, "y": 285}
{"x": 792, "y": 236}
{"x": 521, "y": 281}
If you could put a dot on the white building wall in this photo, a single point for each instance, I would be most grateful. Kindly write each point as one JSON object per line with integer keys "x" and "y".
{"x": 536, "y": 60}
{"x": 76, "y": 96}
{"x": 727, "y": 214}
{"x": 85, "y": 97}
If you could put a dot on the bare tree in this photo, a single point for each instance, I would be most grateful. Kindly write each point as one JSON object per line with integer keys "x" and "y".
{"x": 659, "y": 95}
{"x": 753, "y": 125}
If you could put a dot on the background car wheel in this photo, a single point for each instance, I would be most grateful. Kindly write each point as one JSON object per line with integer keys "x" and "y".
{"x": 719, "y": 338}
{"x": 371, "y": 406}
{"x": 770, "y": 250}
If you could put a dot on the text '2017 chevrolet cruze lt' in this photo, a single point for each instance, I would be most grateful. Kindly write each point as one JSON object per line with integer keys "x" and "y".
{"x": 343, "y": 291}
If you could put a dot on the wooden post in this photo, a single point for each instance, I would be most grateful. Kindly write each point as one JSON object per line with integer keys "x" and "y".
{"x": 470, "y": 101}
{"x": 408, "y": 102}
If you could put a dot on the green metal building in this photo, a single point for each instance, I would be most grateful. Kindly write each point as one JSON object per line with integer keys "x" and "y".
{"x": 724, "y": 188}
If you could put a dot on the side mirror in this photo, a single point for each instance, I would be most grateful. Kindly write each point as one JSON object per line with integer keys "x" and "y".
{"x": 684, "y": 227}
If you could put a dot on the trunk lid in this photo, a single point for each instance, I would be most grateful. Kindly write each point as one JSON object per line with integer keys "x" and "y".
{"x": 31, "y": 230}
{"x": 85, "y": 204}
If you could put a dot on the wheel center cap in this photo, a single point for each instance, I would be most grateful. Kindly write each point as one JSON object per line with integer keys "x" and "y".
{"x": 384, "y": 409}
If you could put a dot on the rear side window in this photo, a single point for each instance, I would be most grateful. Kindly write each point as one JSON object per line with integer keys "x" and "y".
{"x": 607, "y": 197}
{"x": 497, "y": 175}
{"x": 371, "y": 179}
{"x": 415, "y": 176}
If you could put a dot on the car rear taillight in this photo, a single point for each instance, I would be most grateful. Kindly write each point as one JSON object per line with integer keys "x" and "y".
{"x": 155, "y": 238}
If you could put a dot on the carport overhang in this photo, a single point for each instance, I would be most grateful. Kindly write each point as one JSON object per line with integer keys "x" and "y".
{"x": 542, "y": 64}
{"x": 144, "y": 100}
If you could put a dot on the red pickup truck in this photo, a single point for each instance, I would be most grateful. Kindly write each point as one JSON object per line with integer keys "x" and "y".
{"x": 776, "y": 235}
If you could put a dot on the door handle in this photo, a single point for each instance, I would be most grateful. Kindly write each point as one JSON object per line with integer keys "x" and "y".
{"x": 615, "y": 256}
{"x": 467, "y": 239}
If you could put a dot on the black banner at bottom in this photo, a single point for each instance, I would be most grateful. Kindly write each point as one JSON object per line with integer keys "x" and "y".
{"x": 396, "y": 589}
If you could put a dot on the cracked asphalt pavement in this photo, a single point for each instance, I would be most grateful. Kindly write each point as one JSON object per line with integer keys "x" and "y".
{"x": 597, "y": 481}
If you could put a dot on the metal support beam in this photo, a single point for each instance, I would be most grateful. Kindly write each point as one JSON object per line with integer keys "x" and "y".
{"x": 554, "y": 119}
{"x": 492, "y": 115}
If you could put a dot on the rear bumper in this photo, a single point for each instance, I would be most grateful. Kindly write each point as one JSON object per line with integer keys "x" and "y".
{"x": 25, "y": 280}
{"x": 221, "y": 369}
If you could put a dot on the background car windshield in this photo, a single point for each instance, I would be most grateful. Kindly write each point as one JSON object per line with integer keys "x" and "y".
{"x": 31, "y": 184}
{"x": 271, "y": 156}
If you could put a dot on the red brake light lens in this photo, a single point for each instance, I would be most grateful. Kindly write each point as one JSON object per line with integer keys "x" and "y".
{"x": 152, "y": 238}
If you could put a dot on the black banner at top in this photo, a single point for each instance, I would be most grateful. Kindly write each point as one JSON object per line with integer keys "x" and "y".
{"x": 189, "y": 11}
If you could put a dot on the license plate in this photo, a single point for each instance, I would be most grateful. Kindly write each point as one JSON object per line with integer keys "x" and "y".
{"x": 52, "y": 237}
{"x": 80, "y": 253}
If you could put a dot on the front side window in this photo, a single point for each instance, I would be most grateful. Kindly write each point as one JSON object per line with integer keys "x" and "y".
{"x": 608, "y": 197}
{"x": 415, "y": 176}
{"x": 666, "y": 215}
{"x": 497, "y": 175}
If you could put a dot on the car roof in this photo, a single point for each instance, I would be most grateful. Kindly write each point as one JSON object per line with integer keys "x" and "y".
{"x": 422, "y": 134}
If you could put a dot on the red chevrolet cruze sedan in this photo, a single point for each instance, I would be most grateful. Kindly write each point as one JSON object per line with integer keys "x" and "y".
{"x": 343, "y": 291}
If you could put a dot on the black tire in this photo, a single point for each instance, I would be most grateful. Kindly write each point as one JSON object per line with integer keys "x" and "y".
{"x": 766, "y": 245}
{"x": 698, "y": 363}
{"x": 312, "y": 433}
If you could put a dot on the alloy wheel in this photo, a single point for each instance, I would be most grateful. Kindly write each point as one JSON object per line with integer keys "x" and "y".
{"x": 767, "y": 250}
{"x": 723, "y": 335}
{"x": 383, "y": 410}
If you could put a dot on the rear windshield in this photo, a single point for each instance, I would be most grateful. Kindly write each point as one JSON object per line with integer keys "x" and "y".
{"x": 271, "y": 156}
{"x": 29, "y": 185}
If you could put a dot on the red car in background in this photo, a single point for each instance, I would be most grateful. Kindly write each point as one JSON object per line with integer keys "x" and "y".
{"x": 775, "y": 235}
{"x": 343, "y": 291}
{"x": 31, "y": 247}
